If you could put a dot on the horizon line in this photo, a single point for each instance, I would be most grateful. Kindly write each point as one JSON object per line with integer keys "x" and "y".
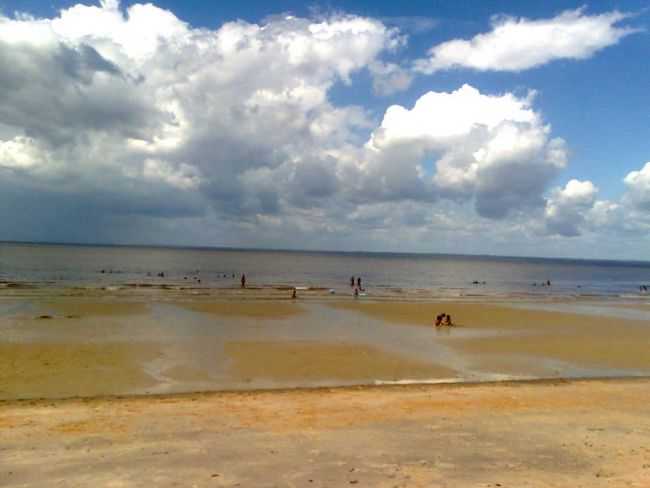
{"x": 322, "y": 251}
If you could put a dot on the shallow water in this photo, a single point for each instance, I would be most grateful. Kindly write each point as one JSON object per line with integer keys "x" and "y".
{"x": 413, "y": 275}
{"x": 165, "y": 345}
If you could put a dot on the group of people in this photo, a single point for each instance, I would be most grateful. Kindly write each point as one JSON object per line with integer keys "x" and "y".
{"x": 358, "y": 287}
{"x": 443, "y": 319}
{"x": 358, "y": 282}
{"x": 543, "y": 283}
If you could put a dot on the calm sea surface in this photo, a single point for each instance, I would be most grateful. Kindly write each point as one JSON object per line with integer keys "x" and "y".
{"x": 70, "y": 265}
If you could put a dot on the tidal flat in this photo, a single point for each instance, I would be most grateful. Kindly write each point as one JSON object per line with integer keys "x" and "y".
{"x": 156, "y": 342}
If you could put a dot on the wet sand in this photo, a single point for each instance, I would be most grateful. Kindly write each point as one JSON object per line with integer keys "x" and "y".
{"x": 481, "y": 315}
{"x": 93, "y": 308}
{"x": 244, "y": 308}
{"x": 629, "y": 351}
{"x": 592, "y": 434}
{"x": 346, "y": 363}
{"x": 60, "y": 370}
{"x": 110, "y": 345}
{"x": 521, "y": 337}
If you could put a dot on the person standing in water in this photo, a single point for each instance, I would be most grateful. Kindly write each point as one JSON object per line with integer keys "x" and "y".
{"x": 351, "y": 281}
{"x": 243, "y": 280}
{"x": 359, "y": 283}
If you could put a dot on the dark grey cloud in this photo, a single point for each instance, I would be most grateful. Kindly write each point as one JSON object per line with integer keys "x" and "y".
{"x": 53, "y": 93}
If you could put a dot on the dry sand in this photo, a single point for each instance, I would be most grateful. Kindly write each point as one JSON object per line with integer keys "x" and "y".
{"x": 589, "y": 434}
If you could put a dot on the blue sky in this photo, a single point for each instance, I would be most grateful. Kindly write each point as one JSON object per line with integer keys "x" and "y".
{"x": 367, "y": 180}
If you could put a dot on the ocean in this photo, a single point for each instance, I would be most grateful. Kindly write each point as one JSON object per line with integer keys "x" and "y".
{"x": 59, "y": 265}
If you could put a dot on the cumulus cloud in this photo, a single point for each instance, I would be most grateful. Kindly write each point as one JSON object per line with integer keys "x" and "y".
{"x": 575, "y": 210}
{"x": 389, "y": 78}
{"x": 464, "y": 145}
{"x": 638, "y": 188}
{"x": 566, "y": 208}
{"x": 126, "y": 122}
{"x": 606, "y": 215}
{"x": 111, "y": 100}
{"x": 516, "y": 44}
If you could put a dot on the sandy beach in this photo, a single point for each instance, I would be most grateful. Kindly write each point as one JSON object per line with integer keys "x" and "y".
{"x": 531, "y": 434}
{"x": 99, "y": 389}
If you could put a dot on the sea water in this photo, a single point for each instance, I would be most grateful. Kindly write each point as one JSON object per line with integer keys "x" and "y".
{"x": 439, "y": 274}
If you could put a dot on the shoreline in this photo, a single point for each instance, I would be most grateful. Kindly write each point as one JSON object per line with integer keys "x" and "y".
{"x": 392, "y": 387}
{"x": 308, "y": 290}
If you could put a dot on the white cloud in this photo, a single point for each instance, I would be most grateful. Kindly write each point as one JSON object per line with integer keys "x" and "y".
{"x": 138, "y": 98}
{"x": 566, "y": 208}
{"x": 574, "y": 210}
{"x": 413, "y": 24}
{"x": 516, "y": 44}
{"x": 605, "y": 215}
{"x": 493, "y": 148}
{"x": 20, "y": 152}
{"x": 389, "y": 78}
{"x": 638, "y": 188}
{"x": 441, "y": 115}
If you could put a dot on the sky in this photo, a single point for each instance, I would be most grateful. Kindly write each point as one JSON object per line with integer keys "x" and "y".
{"x": 474, "y": 127}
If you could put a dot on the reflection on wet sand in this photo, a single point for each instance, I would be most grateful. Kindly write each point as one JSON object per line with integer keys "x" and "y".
{"x": 93, "y": 308}
{"x": 528, "y": 342}
{"x": 96, "y": 345}
{"x": 250, "y": 308}
{"x": 627, "y": 351}
{"x": 480, "y": 315}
